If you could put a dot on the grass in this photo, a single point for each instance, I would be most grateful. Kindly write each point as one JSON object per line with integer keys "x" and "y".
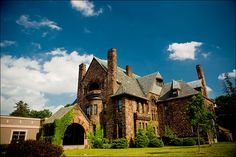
{"x": 224, "y": 149}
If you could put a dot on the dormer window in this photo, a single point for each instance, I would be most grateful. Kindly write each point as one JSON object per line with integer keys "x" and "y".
{"x": 159, "y": 82}
{"x": 175, "y": 92}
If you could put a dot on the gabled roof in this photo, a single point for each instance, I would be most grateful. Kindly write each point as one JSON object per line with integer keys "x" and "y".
{"x": 59, "y": 114}
{"x": 185, "y": 90}
{"x": 127, "y": 85}
{"x": 140, "y": 86}
{"x": 195, "y": 84}
{"x": 175, "y": 85}
{"x": 148, "y": 83}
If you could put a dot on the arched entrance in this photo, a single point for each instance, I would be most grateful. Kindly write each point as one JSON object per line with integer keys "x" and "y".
{"x": 74, "y": 135}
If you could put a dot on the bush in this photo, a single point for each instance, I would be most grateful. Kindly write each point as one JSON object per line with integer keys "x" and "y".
{"x": 176, "y": 142}
{"x": 155, "y": 142}
{"x": 141, "y": 139}
{"x": 202, "y": 141}
{"x": 3, "y": 147}
{"x": 106, "y": 146}
{"x": 98, "y": 143}
{"x": 32, "y": 148}
{"x": 189, "y": 142}
{"x": 166, "y": 140}
{"x": 120, "y": 143}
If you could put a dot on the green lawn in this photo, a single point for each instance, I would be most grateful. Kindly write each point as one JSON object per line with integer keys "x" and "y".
{"x": 220, "y": 149}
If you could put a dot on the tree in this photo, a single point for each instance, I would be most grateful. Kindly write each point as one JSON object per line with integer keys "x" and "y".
{"x": 141, "y": 139}
{"x": 22, "y": 110}
{"x": 226, "y": 106}
{"x": 199, "y": 116}
{"x": 40, "y": 114}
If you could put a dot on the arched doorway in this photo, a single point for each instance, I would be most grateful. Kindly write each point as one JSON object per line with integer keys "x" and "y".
{"x": 74, "y": 135}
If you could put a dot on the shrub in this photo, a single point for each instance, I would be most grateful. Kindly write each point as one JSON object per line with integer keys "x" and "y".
{"x": 176, "y": 142}
{"x": 32, "y": 148}
{"x": 201, "y": 140}
{"x": 141, "y": 139}
{"x": 120, "y": 143}
{"x": 106, "y": 146}
{"x": 189, "y": 142}
{"x": 155, "y": 142}
{"x": 166, "y": 140}
{"x": 3, "y": 147}
{"x": 98, "y": 143}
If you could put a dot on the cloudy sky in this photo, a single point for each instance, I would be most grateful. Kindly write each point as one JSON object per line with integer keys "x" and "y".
{"x": 43, "y": 42}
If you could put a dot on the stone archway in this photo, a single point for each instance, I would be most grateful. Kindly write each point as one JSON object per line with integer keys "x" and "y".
{"x": 74, "y": 135}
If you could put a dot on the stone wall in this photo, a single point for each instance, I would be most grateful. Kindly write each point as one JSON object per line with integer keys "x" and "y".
{"x": 173, "y": 114}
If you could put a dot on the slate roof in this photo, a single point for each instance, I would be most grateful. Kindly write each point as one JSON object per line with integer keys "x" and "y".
{"x": 140, "y": 86}
{"x": 127, "y": 85}
{"x": 195, "y": 84}
{"x": 59, "y": 114}
{"x": 186, "y": 90}
{"x": 148, "y": 83}
{"x": 175, "y": 85}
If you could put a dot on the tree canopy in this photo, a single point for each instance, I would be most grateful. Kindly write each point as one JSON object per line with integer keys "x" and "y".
{"x": 200, "y": 118}
{"x": 22, "y": 110}
{"x": 226, "y": 105}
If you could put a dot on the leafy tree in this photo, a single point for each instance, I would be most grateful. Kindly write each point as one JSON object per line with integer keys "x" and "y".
{"x": 40, "y": 114}
{"x": 96, "y": 138}
{"x": 226, "y": 105}
{"x": 22, "y": 110}
{"x": 141, "y": 139}
{"x": 199, "y": 116}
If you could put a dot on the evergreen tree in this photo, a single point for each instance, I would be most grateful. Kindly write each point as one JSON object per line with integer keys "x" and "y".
{"x": 22, "y": 110}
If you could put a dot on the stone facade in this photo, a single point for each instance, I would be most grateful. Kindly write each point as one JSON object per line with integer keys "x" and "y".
{"x": 121, "y": 102}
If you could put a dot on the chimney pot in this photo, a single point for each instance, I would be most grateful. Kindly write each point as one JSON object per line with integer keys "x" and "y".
{"x": 201, "y": 76}
{"x": 129, "y": 71}
{"x": 112, "y": 70}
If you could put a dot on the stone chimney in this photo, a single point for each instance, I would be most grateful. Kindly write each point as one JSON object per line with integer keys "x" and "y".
{"x": 112, "y": 71}
{"x": 82, "y": 71}
{"x": 201, "y": 76}
{"x": 129, "y": 71}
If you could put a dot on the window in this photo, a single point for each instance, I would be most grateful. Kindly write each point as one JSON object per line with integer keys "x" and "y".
{"x": 104, "y": 108}
{"x": 94, "y": 86}
{"x": 95, "y": 109}
{"x": 18, "y": 136}
{"x": 119, "y": 105}
{"x": 140, "y": 125}
{"x": 119, "y": 130}
{"x": 88, "y": 110}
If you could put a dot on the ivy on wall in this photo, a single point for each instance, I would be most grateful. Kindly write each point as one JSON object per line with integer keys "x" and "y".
{"x": 61, "y": 126}
{"x": 54, "y": 132}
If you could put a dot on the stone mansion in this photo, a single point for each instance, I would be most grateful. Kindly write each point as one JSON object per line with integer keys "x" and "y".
{"x": 121, "y": 102}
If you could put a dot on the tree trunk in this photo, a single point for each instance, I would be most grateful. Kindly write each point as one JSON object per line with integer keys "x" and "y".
{"x": 198, "y": 138}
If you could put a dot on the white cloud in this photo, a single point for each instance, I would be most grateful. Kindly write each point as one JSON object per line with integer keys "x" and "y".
{"x": 205, "y": 55}
{"x": 36, "y": 45}
{"x": 183, "y": 51}
{"x": 6, "y": 43}
{"x": 209, "y": 89}
{"x": 231, "y": 75}
{"x": 30, "y": 79}
{"x": 86, "y": 8}
{"x": 25, "y": 21}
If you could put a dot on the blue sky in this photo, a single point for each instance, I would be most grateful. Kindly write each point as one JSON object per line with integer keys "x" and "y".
{"x": 43, "y": 42}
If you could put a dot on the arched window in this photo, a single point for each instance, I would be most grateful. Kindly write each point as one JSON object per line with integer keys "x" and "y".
{"x": 94, "y": 86}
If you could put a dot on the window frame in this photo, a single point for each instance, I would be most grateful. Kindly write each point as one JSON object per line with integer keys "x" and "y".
{"x": 18, "y": 130}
